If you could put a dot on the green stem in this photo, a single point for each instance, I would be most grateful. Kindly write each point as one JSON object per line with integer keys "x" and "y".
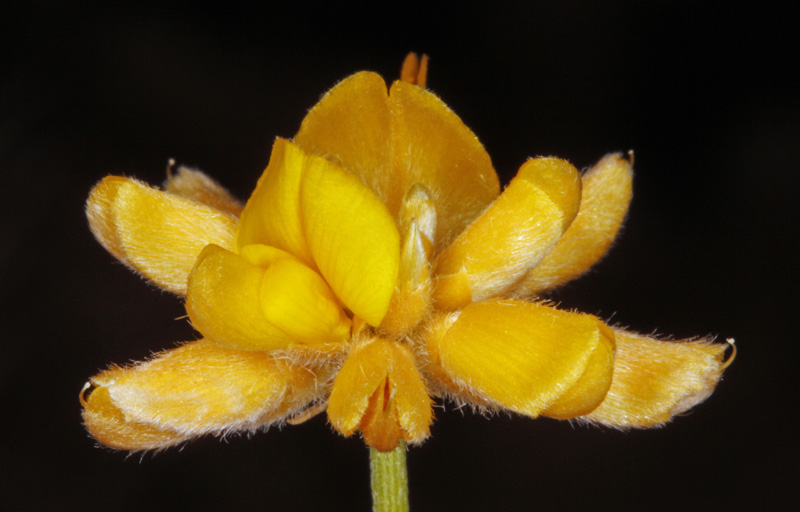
{"x": 389, "y": 480}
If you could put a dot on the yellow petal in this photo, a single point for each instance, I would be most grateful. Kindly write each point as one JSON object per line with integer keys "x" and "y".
{"x": 352, "y": 237}
{"x": 272, "y": 214}
{"x": 153, "y": 232}
{"x": 591, "y": 388}
{"x": 432, "y": 146}
{"x": 196, "y": 389}
{"x": 520, "y": 356}
{"x": 363, "y": 372}
{"x": 197, "y": 186}
{"x": 604, "y": 203}
{"x": 297, "y": 300}
{"x": 654, "y": 380}
{"x": 263, "y": 255}
{"x": 380, "y": 391}
{"x": 513, "y": 234}
{"x": 453, "y": 291}
{"x": 350, "y": 127}
{"x": 224, "y": 302}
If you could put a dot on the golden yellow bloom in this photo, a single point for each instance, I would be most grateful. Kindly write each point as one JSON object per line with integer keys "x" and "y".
{"x": 376, "y": 265}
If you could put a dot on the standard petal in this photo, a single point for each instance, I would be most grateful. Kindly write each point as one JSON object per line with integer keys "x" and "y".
{"x": 272, "y": 214}
{"x": 352, "y": 237}
{"x": 432, "y": 146}
{"x": 350, "y": 127}
{"x": 512, "y": 235}
{"x": 520, "y": 356}
{"x": 607, "y": 189}
{"x": 196, "y": 389}
{"x": 155, "y": 233}
{"x": 391, "y": 141}
{"x": 224, "y": 302}
{"x": 654, "y": 379}
{"x": 380, "y": 391}
{"x": 198, "y": 186}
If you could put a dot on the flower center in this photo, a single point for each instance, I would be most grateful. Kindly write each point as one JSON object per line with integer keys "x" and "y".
{"x": 412, "y": 298}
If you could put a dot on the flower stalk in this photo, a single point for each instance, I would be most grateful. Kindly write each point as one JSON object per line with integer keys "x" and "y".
{"x": 389, "y": 479}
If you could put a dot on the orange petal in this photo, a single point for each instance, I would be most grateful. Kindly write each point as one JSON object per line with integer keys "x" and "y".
{"x": 380, "y": 391}
{"x": 432, "y": 146}
{"x": 604, "y": 203}
{"x": 350, "y": 127}
{"x": 197, "y": 186}
{"x": 272, "y": 214}
{"x": 520, "y": 356}
{"x": 654, "y": 380}
{"x": 224, "y": 302}
{"x": 196, "y": 389}
{"x": 156, "y": 233}
{"x": 392, "y": 141}
{"x": 352, "y": 237}
{"x": 512, "y": 235}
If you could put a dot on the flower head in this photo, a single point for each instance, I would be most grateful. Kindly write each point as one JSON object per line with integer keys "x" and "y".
{"x": 377, "y": 265}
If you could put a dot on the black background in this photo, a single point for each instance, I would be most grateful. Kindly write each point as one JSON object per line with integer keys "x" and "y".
{"x": 702, "y": 91}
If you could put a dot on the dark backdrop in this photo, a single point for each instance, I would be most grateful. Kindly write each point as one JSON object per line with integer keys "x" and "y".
{"x": 703, "y": 92}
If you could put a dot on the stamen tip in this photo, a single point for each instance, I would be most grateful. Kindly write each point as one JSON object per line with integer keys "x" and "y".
{"x": 732, "y": 344}
{"x": 171, "y": 163}
{"x": 86, "y": 391}
{"x": 415, "y": 69}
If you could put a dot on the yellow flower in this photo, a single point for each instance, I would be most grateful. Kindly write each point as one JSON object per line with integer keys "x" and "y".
{"x": 377, "y": 265}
